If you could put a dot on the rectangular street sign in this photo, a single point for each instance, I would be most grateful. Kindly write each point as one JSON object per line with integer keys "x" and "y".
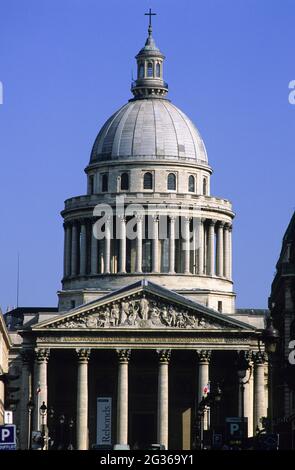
{"x": 8, "y": 437}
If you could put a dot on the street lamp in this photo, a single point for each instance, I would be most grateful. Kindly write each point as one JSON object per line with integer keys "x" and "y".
{"x": 30, "y": 408}
{"x": 43, "y": 413}
{"x": 270, "y": 336}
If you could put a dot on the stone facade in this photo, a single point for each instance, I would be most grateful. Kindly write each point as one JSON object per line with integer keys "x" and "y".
{"x": 5, "y": 346}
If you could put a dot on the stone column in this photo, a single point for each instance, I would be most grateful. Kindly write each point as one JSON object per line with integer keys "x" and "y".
{"x": 186, "y": 245}
{"x": 94, "y": 251}
{"x": 247, "y": 384}
{"x": 163, "y": 407}
{"x": 211, "y": 248}
{"x": 260, "y": 409}
{"x": 204, "y": 357}
{"x": 67, "y": 250}
{"x": 82, "y": 399}
{"x": 201, "y": 247}
{"x": 41, "y": 360}
{"x": 230, "y": 251}
{"x": 226, "y": 252}
{"x": 74, "y": 253}
{"x": 139, "y": 219}
{"x": 122, "y": 254}
{"x": 122, "y": 401}
{"x": 219, "y": 250}
{"x": 155, "y": 259}
{"x": 107, "y": 247}
{"x": 24, "y": 399}
{"x": 83, "y": 249}
{"x": 172, "y": 244}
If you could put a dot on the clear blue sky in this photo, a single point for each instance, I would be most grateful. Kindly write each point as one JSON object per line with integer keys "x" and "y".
{"x": 66, "y": 67}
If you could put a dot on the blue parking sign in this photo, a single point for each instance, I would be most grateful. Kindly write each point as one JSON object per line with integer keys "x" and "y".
{"x": 8, "y": 437}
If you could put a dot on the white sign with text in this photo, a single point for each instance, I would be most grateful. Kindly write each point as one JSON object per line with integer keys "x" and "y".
{"x": 104, "y": 421}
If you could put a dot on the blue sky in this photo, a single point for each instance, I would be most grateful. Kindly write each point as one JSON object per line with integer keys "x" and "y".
{"x": 65, "y": 66}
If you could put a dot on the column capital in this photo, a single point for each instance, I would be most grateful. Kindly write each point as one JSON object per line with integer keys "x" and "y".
{"x": 211, "y": 222}
{"x": 83, "y": 355}
{"x": 164, "y": 355}
{"x": 122, "y": 218}
{"x": 172, "y": 217}
{"x": 42, "y": 355}
{"x": 123, "y": 355}
{"x": 220, "y": 224}
{"x": 204, "y": 355}
{"x": 259, "y": 357}
{"x": 228, "y": 226}
{"x": 155, "y": 218}
{"x": 27, "y": 356}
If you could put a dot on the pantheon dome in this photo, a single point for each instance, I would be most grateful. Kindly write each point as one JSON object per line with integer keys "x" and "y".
{"x": 150, "y": 155}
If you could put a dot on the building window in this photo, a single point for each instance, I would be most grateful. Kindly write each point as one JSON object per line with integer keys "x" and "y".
{"x": 124, "y": 182}
{"x": 171, "y": 182}
{"x": 148, "y": 181}
{"x": 158, "y": 70}
{"x": 91, "y": 184}
{"x": 219, "y": 306}
{"x": 150, "y": 69}
{"x": 205, "y": 186}
{"x": 141, "y": 71}
{"x": 104, "y": 183}
{"x": 73, "y": 303}
{"x": 191, "y": 184}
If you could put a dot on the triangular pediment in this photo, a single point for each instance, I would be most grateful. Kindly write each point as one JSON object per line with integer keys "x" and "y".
{"x": 142, "y": 305}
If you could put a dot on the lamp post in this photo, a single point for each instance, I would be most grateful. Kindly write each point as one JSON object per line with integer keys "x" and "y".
{"x": 212, "y": 398}
{"x": 270, "y": 336}
{"x": 30, "y": 408}
{"x": 43, "y": 413}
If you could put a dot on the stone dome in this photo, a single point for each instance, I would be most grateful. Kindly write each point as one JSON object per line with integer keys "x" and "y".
{"x": 151, "y": 128}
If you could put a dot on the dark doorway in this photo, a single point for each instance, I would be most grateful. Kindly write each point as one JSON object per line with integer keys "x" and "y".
{"x": 143, "y": 430}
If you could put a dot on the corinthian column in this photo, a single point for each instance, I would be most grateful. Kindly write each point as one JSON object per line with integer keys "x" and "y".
{"x": 107, "y": 247}
{"x": 82, "y": 399}
{"x": 155, "y": 259}
{"x": 83, "y": 252}
{"x": 67, "y": 250}
{"x": 122, "y": 402}
{"x": 163, "y": 396}
{"x": 201, "y": 247}
{"x": 139, "y": 219}
{"x": 211, "y": 248}
{"x": 219, "y": 250}
{"x": 260, "y": 408}
{"x": 94, "y": 251}
{"x": 24, "y": 398}
{"x": 41, "y": 360}
{"x": 226, "y": 252}
{"x": 74, "y": 253}
{"x": 204, "y": 360}
{"x": 122, "y": 255}
{"x": 172, "y": 244}
{"x": 186, "y": 245}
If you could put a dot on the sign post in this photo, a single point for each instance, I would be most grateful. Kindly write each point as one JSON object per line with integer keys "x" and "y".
{"x": 236, "y": 431}
{"x": 8, "y": 437}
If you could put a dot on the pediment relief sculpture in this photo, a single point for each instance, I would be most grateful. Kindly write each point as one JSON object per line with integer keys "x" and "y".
{"x": 139, "y": 312}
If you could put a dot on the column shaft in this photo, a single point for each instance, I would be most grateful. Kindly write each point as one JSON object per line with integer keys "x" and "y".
{"x": 122, "y": 400}
{"x": 226, "y": 252}
{"x": 139, "y": 244}
{"x": 155, "y": 258}
{"x": 172, "y": 245}
{"x": 94, "y": 252}
{"x": 201, "y": 247}
{"x": 107, "y": 248}
{"x": 74, "y": 263}
{"x": 211, "y": 249}
{"x": 82, "y": 399}
{"x": 122, "y": 254}
{"x": 67, "y": 251}
{"x": 24, "y": 399}
{"x": 163, "y": 396}
{"x": 42, "y": 357}
{"x": 260, "y": 410}
{"x": 203, "y": 379}
{"x": 186, "y": 245}
{"x": 83, "y": 250}
{"x": 219, "y": 250}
